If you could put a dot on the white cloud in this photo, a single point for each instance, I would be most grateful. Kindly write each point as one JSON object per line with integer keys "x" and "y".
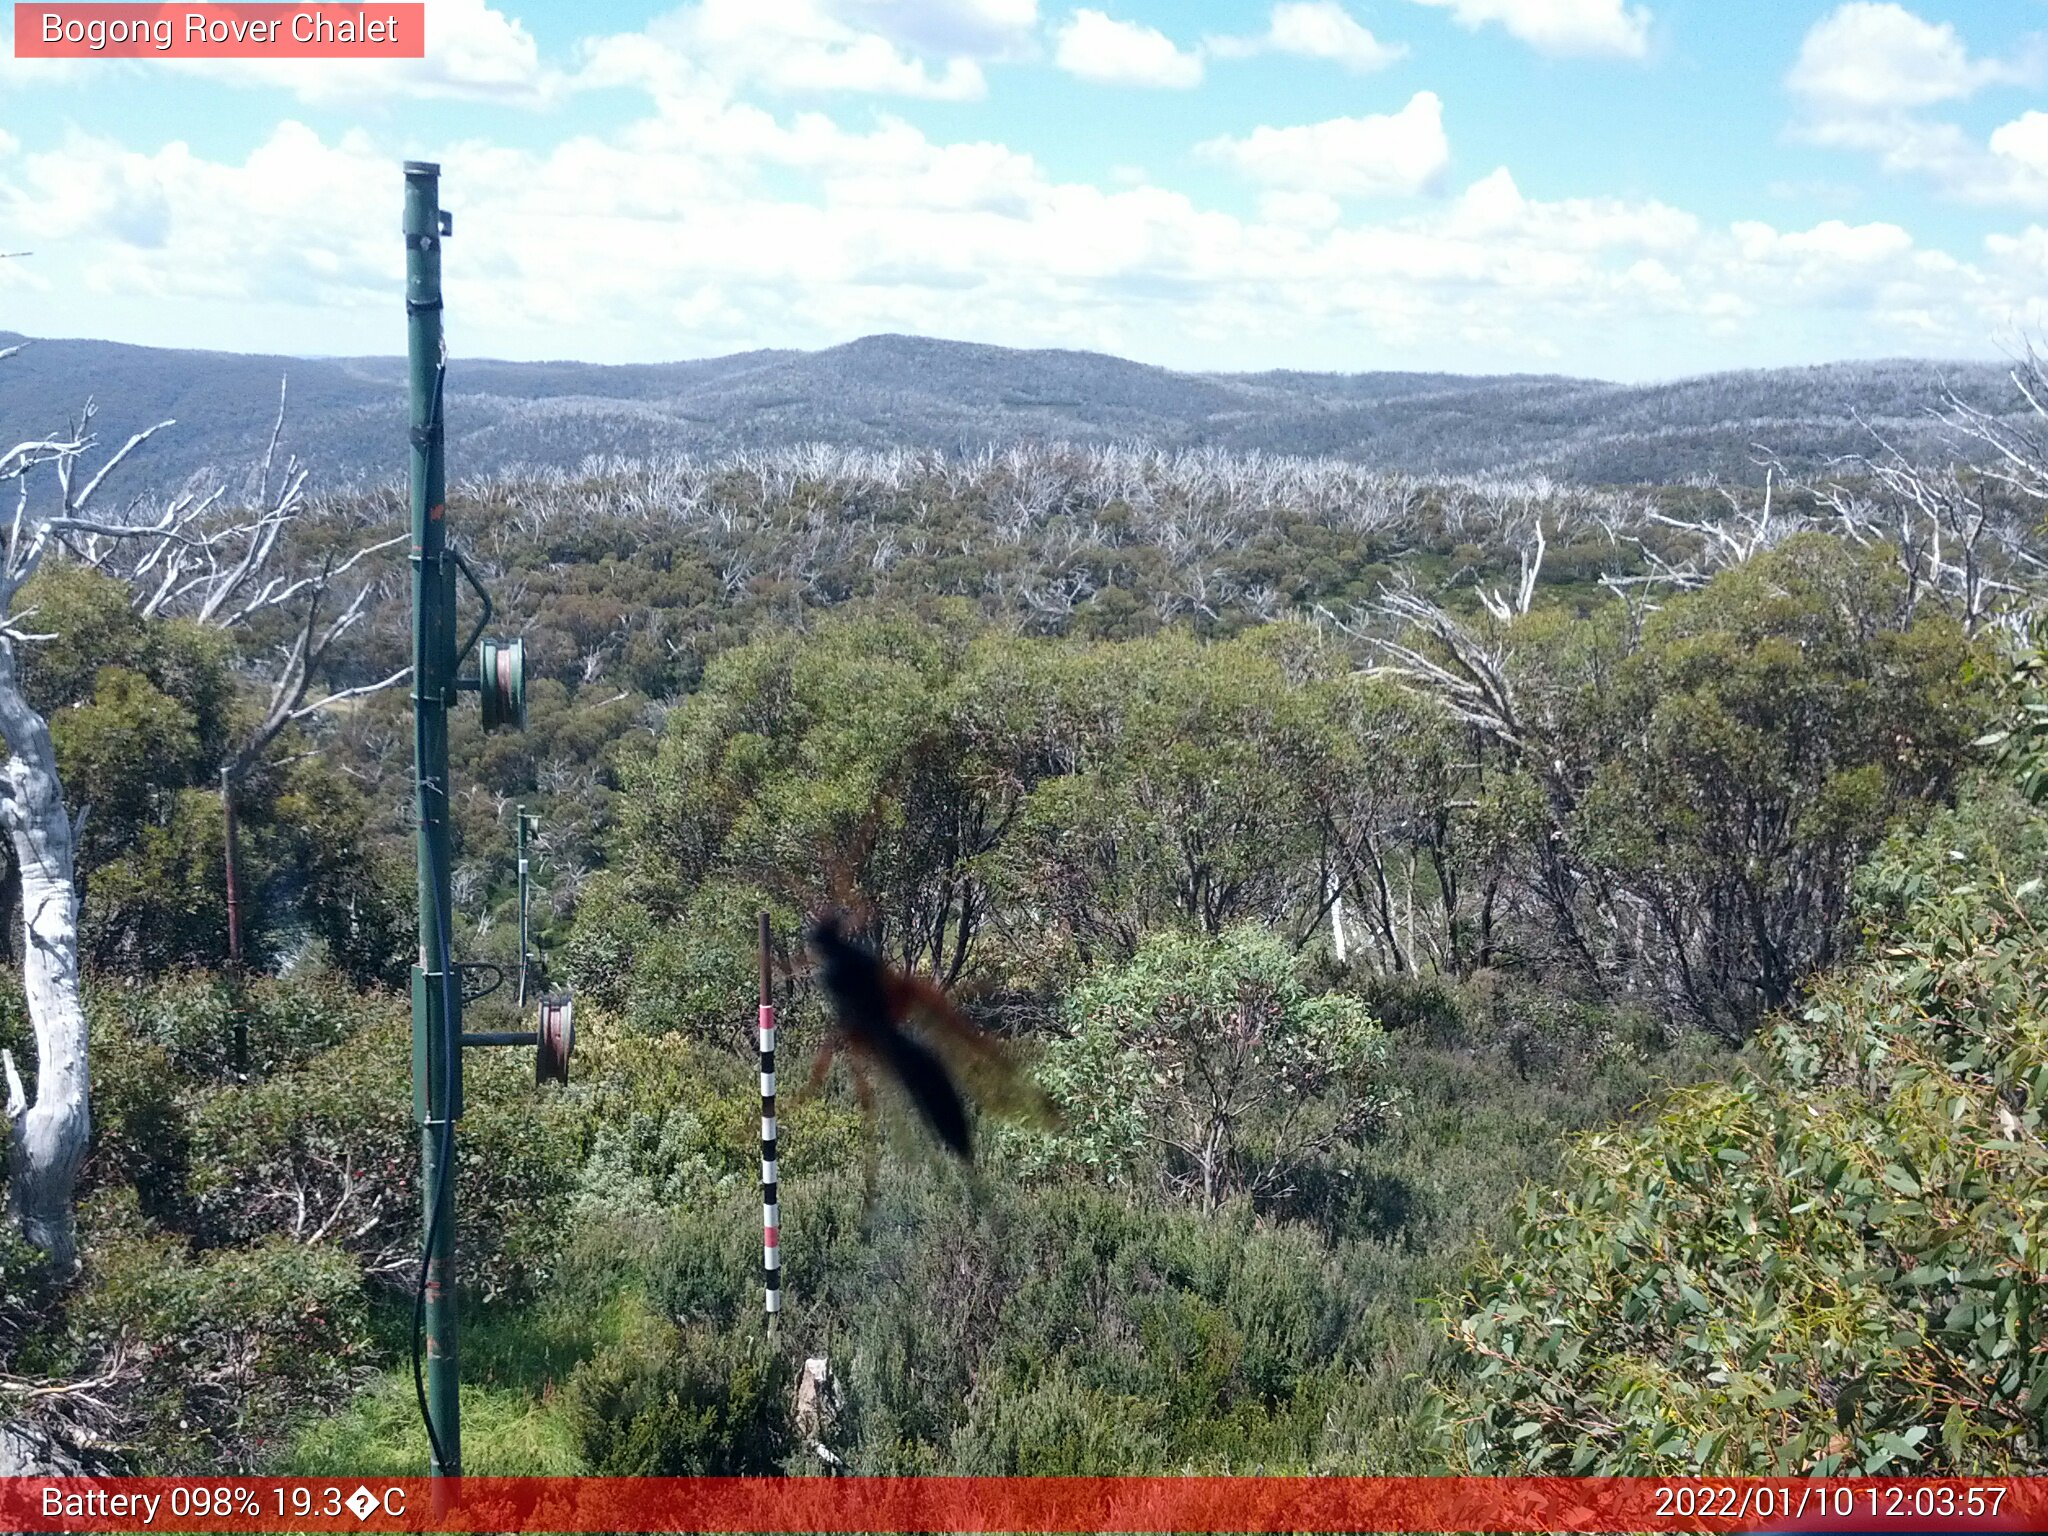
{"x": 1494, "y": 206}
{"x": 975, "y": 28}
{"x": 1301, "y": 210}
{"x": 2024, "y": 141}
{"x": 1832, "y": 244}
{"x": 719, "y": 225}
{"x": 1401, "y": 152}
{"x": 1314, "y": 29}
{"x": 1561, "y": 26}
{"x": 1867, "y": 71}
{"x": 2025, "y": 252}
{"x": 474, "y": 51}
{"x": 2009, "y": 170}
{"x": 1095, "y": 46}
{"x": 1868, "y": 56}
{"x": 789, "y": 46}
{"x": 294, "y": 222}
{"x": 911, "y": 48}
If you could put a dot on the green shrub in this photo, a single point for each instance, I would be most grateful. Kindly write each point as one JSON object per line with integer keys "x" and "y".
{"x": 1830, "y": 1265}
{"x": 1211, "y": 1055}
{"x": 948, "y": 1311}
{"x": 140, "y": 1135}
{"x": 1426, "y": 1006}
{"x": 191, "y": 1017}
{"x": 331, "y": 1148}
{"x": 29, "y": 1293}
{"x": 702, "y": 1270}
{"x": 232, "y": 1345}
{"x": 1059, "y": 1428}
{"x": 188, "y": 1017}
{"x": 595, "y": 1298}
{"x": 605, "y": 945}
{"x": 699, "y": 976}
{"x": 704, "y": 1403}
{"x": 667, "y": 1120}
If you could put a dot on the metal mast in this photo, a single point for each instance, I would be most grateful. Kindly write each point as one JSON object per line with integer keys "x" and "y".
{"x": 436, "y": 988}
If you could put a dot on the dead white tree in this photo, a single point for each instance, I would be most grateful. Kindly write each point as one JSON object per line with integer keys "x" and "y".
{"x": 1967, "y": 530}
{"x": 2017, "y": 449}
{"x": 196, "y": 555}
{"x": 47, "y": 1137}
{"x": 1531, "y": 551}
{"x": 1945, "y": 523}
{"x": 234, "y": 571}
{"x": 1466, "y": 669}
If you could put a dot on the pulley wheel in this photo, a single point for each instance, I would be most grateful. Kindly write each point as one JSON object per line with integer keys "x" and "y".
{"x": 501, "y": 684}
{"x": 555, "y": 1039}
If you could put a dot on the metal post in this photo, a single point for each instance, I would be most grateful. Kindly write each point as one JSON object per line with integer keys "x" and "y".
{"x": 771, "y": 1216}
{"x": 436, "y": 993}
{"x": 524, "y": 964}
{"x": 227, "y": 811}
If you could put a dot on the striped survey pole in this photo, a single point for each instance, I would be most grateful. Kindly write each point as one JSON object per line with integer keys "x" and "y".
{"x": 771, "y": 1254}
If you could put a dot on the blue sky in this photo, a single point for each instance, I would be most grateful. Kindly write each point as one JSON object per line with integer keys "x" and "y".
{"x": 1602, "y": 187}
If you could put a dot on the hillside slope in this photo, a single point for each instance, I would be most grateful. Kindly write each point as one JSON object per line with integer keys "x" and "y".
{"x": 902, "y": 391}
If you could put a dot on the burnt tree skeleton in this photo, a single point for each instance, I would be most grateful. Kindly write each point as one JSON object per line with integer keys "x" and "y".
{"x": 202, "y": 556}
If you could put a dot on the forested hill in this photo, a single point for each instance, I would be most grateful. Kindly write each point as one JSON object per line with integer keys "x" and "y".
{"x": 903, "y": 391}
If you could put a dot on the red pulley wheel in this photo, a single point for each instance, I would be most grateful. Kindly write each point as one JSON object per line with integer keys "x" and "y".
{"x": 557, "y": 1038}
{"x": 501, "y": 681}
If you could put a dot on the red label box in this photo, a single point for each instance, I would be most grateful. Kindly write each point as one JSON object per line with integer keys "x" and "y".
{"x": 373, "y": 30}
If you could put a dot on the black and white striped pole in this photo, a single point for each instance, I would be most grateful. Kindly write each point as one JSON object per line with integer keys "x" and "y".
{"x": 771, "y": 1221}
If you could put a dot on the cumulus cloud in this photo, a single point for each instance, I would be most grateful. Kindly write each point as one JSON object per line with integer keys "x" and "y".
{"x": 1866, "y": 74}
{"x": 2025, "y": 254}
{"x": 1874, "y": 55}
{"x": 1400, "y": 152}
{"x": 2024, "y": 142}
{"x": 474, "y": 52}
{"x": 1095, "y": 46}
{"x": 1494, "y": 205}
{"x": 721, "y": 225}
{"x": 786, "y": 46}
{"x": 972, "y": 28}
{"x": 1831, "y": 244}
{"x": 296, "y": 221}
{"x": 1560, "y": 27}
{"x": 1314, "y": 29}
{"x": 1300, "y": 210}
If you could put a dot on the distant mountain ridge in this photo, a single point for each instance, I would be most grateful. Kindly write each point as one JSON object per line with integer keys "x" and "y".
{"x": 348, "y": 414}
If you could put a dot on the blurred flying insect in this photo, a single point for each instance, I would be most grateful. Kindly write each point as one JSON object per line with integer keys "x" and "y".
{"x": 909, "y": 1029}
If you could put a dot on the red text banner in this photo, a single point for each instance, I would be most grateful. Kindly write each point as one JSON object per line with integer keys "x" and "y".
{"x": 1049, "y": 1504}
{"x": 205, "y": 31}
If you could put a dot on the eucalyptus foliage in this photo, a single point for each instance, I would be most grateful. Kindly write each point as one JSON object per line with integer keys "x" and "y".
{"x": 1211, "y": 1060}
{"x": 1832, "y": 1265}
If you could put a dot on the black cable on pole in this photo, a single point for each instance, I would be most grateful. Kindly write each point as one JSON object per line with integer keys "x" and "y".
{"x": 444, "y": 960}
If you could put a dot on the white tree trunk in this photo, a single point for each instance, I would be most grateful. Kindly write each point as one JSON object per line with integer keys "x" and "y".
{"x": 46, "y": 1139}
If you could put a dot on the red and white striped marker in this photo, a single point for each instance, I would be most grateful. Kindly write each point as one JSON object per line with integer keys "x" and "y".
{"x": 771, "y": 1219}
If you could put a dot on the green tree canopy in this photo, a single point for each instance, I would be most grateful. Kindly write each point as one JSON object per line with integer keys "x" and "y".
{"x": 1833, "y": 1264}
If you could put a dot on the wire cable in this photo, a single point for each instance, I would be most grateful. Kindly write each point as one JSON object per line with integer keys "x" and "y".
{"x": 445, "y": 1162}
{"x": 443, "y": 962}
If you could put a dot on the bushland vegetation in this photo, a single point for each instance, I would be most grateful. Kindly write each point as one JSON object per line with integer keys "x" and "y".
{"x": 1534, "y": 978}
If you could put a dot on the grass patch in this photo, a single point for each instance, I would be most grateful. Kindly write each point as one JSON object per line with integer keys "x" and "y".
{"x": 505, "y": 1433}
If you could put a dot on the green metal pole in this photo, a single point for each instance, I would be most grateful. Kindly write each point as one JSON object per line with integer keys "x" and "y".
{"x": 523, "y": 965}
{"x": 436, "y": 995}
